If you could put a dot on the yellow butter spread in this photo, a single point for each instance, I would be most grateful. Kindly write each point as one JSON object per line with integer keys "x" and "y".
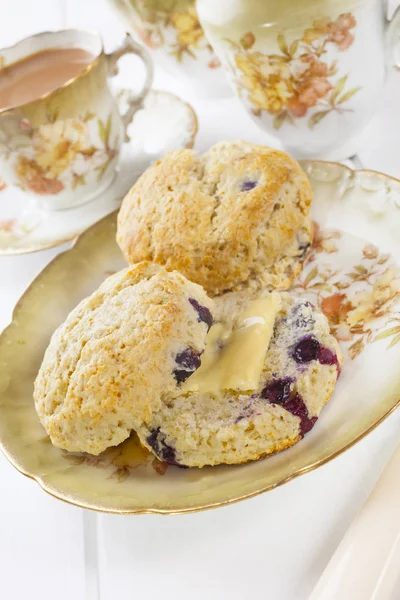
{"x": 234, "y": 359}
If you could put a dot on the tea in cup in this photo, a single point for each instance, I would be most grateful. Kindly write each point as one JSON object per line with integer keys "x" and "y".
{"x": 61, "y": 132}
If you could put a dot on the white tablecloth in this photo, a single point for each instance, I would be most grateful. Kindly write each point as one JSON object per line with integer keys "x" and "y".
{"x": 273, "y": 546}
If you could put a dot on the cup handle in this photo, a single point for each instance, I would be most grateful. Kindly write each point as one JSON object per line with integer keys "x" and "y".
{"x": 136, "y": 101}
{"x": 393, "y": 40}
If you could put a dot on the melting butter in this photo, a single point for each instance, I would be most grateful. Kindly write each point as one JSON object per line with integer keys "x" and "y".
{"x": 234, "y": 360}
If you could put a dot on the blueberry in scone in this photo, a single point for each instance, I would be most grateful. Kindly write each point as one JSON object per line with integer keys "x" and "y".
{"x": 228, "y": 411}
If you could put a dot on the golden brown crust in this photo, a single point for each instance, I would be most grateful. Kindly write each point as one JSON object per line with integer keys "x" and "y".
{"x": 190, "y": 213}
{"x": 107, "y": 364}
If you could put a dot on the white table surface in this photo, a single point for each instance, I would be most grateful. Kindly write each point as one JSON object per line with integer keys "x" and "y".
{"x": 274, "y": 546}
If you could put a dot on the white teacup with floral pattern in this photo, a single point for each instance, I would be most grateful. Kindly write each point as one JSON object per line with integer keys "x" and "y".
{"x": 63, "y": 147}
{"x": 310, "y": 72}
{"x": 172, "y": 32}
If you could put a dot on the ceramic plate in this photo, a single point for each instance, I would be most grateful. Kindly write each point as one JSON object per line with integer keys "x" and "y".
{"x": 351, "y": 274}
{"x": 165, "y": 123}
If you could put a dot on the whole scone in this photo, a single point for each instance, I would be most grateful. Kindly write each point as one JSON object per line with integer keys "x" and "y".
{"x": 298, "y": 376}
{"x": 236, "y": 217}
{"x": 107, "y": 364}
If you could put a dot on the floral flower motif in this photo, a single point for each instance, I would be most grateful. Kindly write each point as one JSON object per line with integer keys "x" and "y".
{"x": 148, "y": 38}
{"x": 155, "y": 20}
{"x": 354, "y": 302}
{"x": 124, "y": 458}
{"x": 57, "y": 154}
{"x": 268, "y": 82}
{"x": 7, "y": 225}
{"x": 57, "y": 145}
{"x": 287, "y": 85}
{"x": 214, "y": 63}
{"x": 12, "y": 230}
{"x": 337, "y": 32}
{"x": 323, "y": 240}
{"x": 336, "y": 308}
{"x": 33, "y": 177}
{"x": 187, "y": 25}
{"x": 370, "y": 251}
{"x": 371, "y": 304}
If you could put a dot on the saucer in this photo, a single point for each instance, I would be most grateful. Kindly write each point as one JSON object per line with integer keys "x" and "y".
{"x": 165, "y": 123}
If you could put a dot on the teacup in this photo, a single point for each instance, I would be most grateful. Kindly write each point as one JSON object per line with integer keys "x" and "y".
{"x": 310, "y": 72}
{"x": 63, "y": 146}
{"x": 171, "y": 31}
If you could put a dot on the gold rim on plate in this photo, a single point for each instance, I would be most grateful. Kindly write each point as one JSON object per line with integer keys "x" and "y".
{"x": 70, "y": 498}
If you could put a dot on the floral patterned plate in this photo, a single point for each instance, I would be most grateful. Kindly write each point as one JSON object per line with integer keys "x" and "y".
{"x": 165, "y": 123}
{"x": 352, "y": 273}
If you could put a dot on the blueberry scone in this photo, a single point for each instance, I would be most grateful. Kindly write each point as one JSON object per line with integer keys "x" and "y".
{"x": 269, "y": 367}
{"x": 236, "y": 217}
{"x": 117, "y": 353}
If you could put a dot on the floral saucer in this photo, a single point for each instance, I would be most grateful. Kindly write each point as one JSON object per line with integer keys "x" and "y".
{"x": 27, "y": 228}
{"x": 352, "y": 274}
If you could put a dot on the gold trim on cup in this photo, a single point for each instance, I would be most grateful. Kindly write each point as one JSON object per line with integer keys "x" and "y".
{"x": 67, "y": 83}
